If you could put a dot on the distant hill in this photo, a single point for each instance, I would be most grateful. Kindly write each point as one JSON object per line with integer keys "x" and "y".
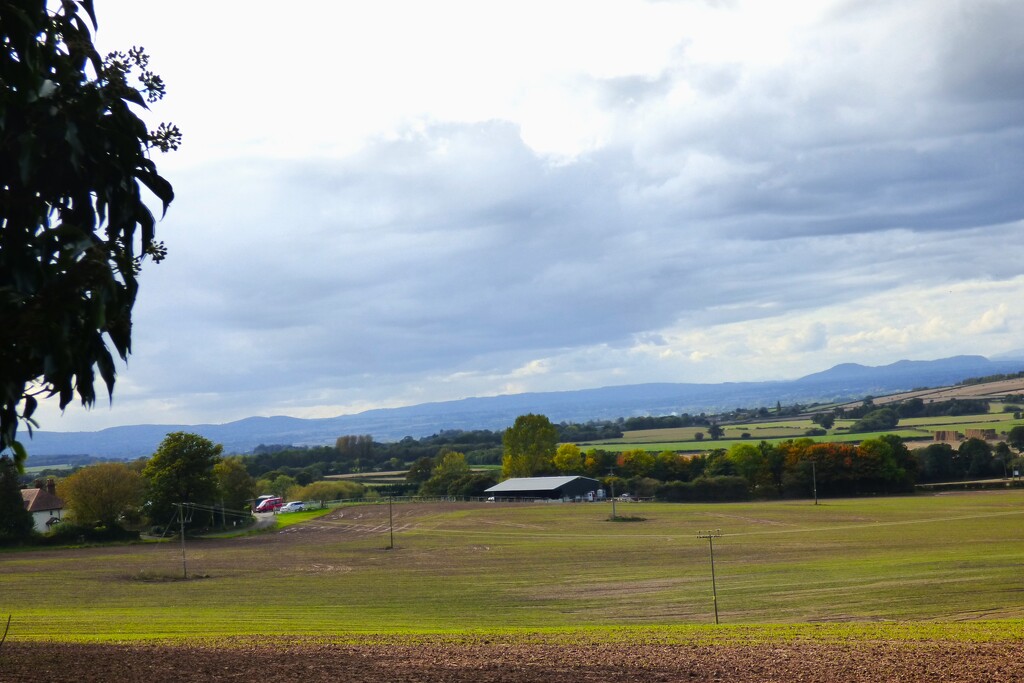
{"x": 845, "y": 382}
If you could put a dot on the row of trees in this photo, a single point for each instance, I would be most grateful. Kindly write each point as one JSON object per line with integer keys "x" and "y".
{"x": 876, "y": 465}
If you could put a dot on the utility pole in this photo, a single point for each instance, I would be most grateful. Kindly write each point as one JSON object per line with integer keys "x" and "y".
{"x": 814, "y": 481}
{"x": 181, "y": 520}
{"x": 391, "y": 523}
{"x": 611, "y": 481}
{"x": 711, "y": 536}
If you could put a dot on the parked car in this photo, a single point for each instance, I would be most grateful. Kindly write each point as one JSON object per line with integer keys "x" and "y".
{"x": 269, "y": 504}
{"x": 294, "y": 506}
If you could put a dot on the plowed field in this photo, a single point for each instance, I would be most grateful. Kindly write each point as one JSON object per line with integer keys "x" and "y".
{"x": 396, "y": 663}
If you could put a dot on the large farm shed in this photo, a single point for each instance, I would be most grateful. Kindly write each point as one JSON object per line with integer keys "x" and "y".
{"x": 552, "y": 488}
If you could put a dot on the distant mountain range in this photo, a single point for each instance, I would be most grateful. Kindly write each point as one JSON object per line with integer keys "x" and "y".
{"x": 845, "y": 382}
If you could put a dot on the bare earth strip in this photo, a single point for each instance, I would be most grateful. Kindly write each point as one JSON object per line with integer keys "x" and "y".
{"x": 438, "y": 661}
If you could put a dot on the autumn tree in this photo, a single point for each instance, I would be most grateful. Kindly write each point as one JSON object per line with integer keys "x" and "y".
{"x": 102, "y": 493}
{"x": 635, "y": 463}
{"x": 356, "y": 448}
{"x": 568, "y": 459}
{"x": 671, "y": 466}
{"x": 75, "y": 159}
{"x": 597, "y": 462}
{"x": 529, "y": 446}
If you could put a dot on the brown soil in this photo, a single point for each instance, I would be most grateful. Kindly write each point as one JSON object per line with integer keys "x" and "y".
{"x": 808, "y": 662}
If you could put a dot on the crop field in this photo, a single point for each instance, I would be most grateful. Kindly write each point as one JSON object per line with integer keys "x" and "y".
{"x": 683, "y": 439}
{"x": 469, "y": 586}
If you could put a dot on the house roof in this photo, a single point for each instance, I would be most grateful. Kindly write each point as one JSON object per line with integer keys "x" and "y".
{"x": 534, "y": 484}
{"x": 40, "y": 500}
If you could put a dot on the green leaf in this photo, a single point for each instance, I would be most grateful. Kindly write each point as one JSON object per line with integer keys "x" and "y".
{"x": 20, "y": 456}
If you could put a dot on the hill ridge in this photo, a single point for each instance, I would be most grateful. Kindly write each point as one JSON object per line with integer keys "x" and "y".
{"x": 843, "y": 382}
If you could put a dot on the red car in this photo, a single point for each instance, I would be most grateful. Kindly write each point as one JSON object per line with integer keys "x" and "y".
{"x": 269, "y": 505}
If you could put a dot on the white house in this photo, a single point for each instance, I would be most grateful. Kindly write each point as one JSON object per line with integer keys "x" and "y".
{"x": 44, "y": 505}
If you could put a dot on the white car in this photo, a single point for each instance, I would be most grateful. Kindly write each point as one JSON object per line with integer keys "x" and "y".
{"x": 294, "y": 506}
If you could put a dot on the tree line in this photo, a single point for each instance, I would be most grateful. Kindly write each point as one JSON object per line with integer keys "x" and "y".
{"x": 791, "y": 468}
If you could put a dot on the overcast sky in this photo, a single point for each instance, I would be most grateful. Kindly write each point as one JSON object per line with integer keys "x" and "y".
{"x": 393, "y": 202}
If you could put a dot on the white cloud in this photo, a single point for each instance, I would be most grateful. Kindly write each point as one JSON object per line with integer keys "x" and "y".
{"x": 992, "y": 320}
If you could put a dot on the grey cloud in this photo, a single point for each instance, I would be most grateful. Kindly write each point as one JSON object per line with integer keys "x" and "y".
{"x": 459, "y": 249}
{"x": 982, "y": 52}
{"x": 860, "y": 142}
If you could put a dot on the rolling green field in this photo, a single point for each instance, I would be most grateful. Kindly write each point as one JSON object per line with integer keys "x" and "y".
{"x": 683, "y": 439}
{"x": 462, "y": 567}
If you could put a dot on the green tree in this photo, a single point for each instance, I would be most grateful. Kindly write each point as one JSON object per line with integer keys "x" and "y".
{"x": 15, "y": 521}
{"x": 568, "y": 459}
{"x": 323, "y": 491}
{"x": 74, "y": 223}
{"x": 471, "y": 485}
{"x": 936, "y": 462}
{"x": 715, "y": 431}
{"x": 102, "y": 493}
{"x": 824, "y": 420}
{"x": 234, "y": 484}
{"x": 181, "y": 471}
{"x": 451, "y": 466}
{"x": 749, "y": 462}
{"x": 1015, "y": 437}
{"x": 876, "y": 421}
{"x": 420, "y": 470}
{"x": 1002, "y": 455}
{"x": 976, "y": 454}
{"x": 529, "y": 446}
{"x": 279, "y": 485}
{"x": 718, "y": 465}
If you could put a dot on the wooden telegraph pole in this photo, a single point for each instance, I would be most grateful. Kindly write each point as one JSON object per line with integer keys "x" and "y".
{"x": 391, "y": 523}
{"x": 611, "y": 480}
{"x": 181, "y": 520}
{"x": 814, "y": 481}
{"x": 711, "y": 536}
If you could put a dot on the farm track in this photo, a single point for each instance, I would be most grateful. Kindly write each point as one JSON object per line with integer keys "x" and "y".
{"x": 507, "y": 662}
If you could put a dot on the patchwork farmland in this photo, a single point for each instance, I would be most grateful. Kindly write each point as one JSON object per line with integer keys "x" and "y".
{"x": 888, "y": 576}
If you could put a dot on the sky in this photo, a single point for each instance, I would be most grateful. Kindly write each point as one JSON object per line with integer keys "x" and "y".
{"x": 395, "y": 202}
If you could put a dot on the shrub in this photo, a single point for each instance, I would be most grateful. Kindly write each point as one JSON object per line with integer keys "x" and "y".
{"x": 705, "y": 490}
{"x": 67, "y": 533}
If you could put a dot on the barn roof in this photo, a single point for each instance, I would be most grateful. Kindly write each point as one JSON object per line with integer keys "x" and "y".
{"x": 533, "y": 484}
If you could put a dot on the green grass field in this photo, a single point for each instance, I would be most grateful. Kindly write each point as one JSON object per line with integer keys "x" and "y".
{"x": 457, "y": 568}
